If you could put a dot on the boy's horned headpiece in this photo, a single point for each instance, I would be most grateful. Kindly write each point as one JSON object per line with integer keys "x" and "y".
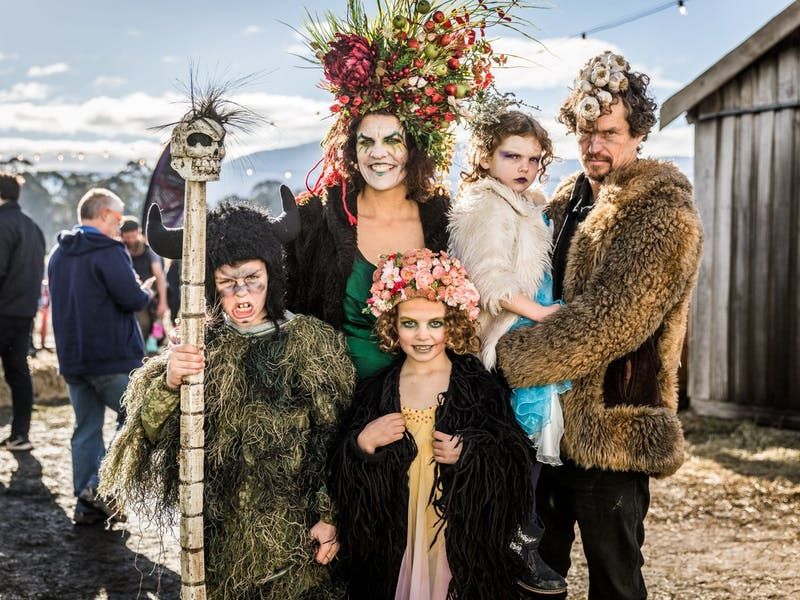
{"x": 237, "y": 233}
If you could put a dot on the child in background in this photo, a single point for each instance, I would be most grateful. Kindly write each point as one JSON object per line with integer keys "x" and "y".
{"x": 431, "y": 474}
{"x": 499, "y": 230}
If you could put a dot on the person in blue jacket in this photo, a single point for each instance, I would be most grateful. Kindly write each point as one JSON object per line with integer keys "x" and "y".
{"x": 95, "y": 295}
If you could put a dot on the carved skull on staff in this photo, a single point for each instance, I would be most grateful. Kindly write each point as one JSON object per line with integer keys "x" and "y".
{"x": 197, "y": 148}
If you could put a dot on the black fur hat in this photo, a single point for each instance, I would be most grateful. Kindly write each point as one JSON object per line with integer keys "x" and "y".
{"x": 236, "y": 233}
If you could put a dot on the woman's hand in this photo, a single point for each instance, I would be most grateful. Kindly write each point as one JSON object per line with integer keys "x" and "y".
{"x": 325, "y": 535}
{"x": 183, "y": 360}
{"x": 446, "y": 448}
{"x": 382, "y": 432}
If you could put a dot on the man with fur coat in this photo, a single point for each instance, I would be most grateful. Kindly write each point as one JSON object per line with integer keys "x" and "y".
{"x": 627, "y": 246}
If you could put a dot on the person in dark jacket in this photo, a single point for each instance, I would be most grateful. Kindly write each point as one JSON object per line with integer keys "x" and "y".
{"x": 21, "y": 265}
{"x": 95, "y": 295}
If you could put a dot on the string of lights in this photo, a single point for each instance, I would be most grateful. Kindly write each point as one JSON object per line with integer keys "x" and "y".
{"x": 680, "y": 4}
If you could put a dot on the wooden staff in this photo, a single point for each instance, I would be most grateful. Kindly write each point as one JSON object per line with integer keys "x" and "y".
{"x": 192, "y": 439}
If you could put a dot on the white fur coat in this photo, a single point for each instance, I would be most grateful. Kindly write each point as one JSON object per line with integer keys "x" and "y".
{"x": 501, "y": 238}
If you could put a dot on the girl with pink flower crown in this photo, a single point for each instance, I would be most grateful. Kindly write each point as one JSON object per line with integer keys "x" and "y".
{"x": 499, "y": 229}
{"x": 431, "y": 473}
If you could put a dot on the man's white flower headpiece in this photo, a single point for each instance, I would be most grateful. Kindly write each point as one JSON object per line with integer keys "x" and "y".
{"x": 600, "y": 79}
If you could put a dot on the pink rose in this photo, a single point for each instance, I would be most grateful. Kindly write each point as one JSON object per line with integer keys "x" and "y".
{"x": 423, "y": 279}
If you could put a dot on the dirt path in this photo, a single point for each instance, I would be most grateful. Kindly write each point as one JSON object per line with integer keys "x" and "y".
{"x": 726, "y": 526}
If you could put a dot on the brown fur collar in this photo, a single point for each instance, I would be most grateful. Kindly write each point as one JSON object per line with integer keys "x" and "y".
{"x": 631, "y": 267}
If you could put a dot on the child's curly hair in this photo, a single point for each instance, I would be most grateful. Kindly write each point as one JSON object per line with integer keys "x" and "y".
{"x": 461, "y": 332}
{"x": 488, "y": 137}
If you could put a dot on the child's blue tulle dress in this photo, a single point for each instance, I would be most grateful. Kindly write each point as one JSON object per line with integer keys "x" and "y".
{"x": 538, "y": 409}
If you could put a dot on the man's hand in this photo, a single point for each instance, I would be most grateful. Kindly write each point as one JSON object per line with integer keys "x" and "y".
{"x": 183, "y": 360}
{"x": 325, "y": 535}
{"x": 446, "y": 448}
{"x": 382, "y": 432}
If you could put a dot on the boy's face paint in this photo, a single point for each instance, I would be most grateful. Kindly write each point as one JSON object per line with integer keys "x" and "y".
{"x": 242, "y": 289}
{"x": 381, "y": 151}
{"x": 515, "y": 162}
{"x": 422, "y": 329}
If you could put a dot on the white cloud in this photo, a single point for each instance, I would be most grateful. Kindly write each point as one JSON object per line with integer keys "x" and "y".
{"x": 48, "y": 70}
{"x": 252, "y": 30}
{"x": 21, "y": 92}
{"x": 554, "y": 62}
{"x": 109, "y": 81}
{"x": 672, "y": 141}
{"x": 134, "y": 33}
{"x": 169, "y": 59}
{"x": 297, "y": 121}
{"x": 96, "y": 155}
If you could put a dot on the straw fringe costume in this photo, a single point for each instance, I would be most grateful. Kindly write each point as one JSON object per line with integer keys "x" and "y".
{"x": 631, "y": 268}
{"x": 482, "y": 499}
{"x": 273, "y": 398}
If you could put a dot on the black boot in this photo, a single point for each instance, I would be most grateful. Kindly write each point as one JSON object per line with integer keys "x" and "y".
{"x": 540, "y": 578}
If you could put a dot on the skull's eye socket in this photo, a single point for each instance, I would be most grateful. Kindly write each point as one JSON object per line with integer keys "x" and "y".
{"x": 199, "y": 139}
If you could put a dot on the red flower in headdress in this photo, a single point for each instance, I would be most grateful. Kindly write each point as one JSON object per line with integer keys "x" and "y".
{"x": 350, "y": 62}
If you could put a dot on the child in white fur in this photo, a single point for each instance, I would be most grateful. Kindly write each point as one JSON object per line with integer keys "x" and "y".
{"x": 499, "y": 231}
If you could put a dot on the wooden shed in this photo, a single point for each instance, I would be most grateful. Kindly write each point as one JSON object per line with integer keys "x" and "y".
{"x": 744, "y": 335}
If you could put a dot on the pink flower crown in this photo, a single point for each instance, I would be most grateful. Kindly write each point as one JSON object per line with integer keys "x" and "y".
{"x": 422, "y": 274}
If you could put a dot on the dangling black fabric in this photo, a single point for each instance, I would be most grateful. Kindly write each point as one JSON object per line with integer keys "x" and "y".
{"x": 482, "y": 499}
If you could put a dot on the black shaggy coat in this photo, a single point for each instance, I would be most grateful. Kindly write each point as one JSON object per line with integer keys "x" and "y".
{"x": 484, "y": 497}
{"x": 321, "y": 259}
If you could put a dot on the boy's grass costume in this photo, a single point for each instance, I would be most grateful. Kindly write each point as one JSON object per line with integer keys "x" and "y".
{"x": 273, "y": 395}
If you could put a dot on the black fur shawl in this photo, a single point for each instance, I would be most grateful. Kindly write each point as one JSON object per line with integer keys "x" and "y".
{"x": 320, "y": 260}
{"x": 485, "y": 496}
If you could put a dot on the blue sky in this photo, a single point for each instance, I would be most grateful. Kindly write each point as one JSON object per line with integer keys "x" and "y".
{"x": 85, "y": 79}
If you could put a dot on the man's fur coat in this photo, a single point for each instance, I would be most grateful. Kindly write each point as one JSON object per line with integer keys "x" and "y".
{"x": 502, "y": 240}
{"x": 631, "y": 268}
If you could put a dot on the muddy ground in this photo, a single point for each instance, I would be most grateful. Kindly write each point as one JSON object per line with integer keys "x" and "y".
{"x": 727, "y": 525}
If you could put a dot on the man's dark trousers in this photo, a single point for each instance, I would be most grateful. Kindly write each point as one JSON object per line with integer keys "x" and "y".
{"x": 14, "y": 337}
{"x": 609, "y": 508}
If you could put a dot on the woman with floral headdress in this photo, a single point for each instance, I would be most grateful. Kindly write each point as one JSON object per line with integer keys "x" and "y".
{"x": 400, "y": 83}
{"x": 430, "y": 475}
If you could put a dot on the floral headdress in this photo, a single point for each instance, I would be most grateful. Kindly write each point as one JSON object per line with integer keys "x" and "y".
{"x": 435, "y": 276}
{"x": 600, "y": 79}
{"x": 417, "y": 60}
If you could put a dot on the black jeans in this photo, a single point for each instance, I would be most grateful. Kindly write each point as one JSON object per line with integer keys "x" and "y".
{"x": 609, "y": 508}
{"x": 14, "y": 337}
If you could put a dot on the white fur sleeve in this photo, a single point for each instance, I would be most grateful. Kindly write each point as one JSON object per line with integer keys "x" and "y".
{"x": 483, "y": 236}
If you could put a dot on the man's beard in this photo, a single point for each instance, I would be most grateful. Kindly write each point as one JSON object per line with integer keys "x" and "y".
{"x": 136, "y": 248}
{"x": 591, "y": 172}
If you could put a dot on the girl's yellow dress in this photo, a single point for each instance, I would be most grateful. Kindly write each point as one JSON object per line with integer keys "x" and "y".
{"x": 424, "y": 572}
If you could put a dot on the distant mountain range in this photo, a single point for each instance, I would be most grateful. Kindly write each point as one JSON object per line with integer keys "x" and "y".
{"x": 290, "y": 166}
{"x": 51, "y": 197}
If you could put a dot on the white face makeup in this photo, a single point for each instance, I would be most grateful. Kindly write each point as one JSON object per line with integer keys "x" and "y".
{"x": 515, "y": 162}
{"x": 242, "y": 289}
{"x": 421, "y": 329}
{"x": 381, "y": 151}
